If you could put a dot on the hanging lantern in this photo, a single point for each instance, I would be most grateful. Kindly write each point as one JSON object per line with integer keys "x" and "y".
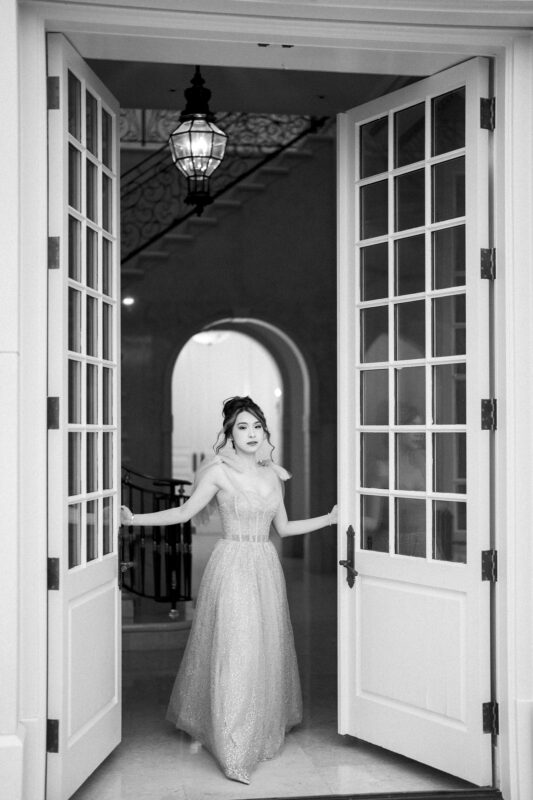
{"x": 197, "y": 145}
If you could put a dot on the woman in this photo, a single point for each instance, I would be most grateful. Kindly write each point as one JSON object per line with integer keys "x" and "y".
{"x": 238, "y": 690}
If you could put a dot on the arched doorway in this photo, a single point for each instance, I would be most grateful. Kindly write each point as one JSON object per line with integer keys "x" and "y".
{"x": 296, "y": 403}
{"x": 296, "y": 420}
{"x": 213, "y": 366}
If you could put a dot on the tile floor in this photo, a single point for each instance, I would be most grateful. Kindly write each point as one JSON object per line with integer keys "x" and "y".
{"x": 155, "y": 762}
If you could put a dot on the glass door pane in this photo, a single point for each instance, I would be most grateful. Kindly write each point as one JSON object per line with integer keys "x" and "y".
{"x": 374, "y": 209}
{"x": 375, "y": 523}
{"x": 448, "y": 122}
{"x": 92, "y": 530}
{"x": 412, "y": 322}
{"x": 92, "y": 327}
{"x": 374, "y": 271}
{"x": 409, "y": 135}
{"x": 374, "y": 147}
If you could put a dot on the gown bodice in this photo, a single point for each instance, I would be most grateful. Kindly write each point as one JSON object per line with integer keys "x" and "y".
{"x": 247, "y": 516}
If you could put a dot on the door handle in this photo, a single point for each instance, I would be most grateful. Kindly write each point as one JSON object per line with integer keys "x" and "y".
{"x": 348, "y": 562}
{"x": 123, "y": 566}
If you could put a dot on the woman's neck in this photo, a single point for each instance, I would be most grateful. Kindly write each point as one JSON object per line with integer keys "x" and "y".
{"x": 247, "y": 461}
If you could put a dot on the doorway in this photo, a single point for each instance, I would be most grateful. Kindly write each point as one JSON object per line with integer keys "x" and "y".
{"x": 215, "y": 365}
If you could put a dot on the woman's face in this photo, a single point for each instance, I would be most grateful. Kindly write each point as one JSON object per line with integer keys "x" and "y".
{"x": 248, "y": 433}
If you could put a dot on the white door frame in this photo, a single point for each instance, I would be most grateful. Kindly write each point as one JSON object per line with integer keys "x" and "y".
{"x": 514, "y": 442}
{"x": 347, "y": 45}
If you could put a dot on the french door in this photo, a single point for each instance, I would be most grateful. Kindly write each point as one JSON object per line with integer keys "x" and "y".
{"x": 414, "y": 477}
{"x": 84, "y": 687}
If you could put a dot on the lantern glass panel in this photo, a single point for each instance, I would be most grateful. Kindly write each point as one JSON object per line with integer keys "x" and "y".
{"x": 197, "y": 147}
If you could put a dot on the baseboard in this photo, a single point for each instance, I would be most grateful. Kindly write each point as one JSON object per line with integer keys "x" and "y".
{"x": 12, "y": 763}
{"x": 156, "y": 635}
{"x": 457, "y": 794}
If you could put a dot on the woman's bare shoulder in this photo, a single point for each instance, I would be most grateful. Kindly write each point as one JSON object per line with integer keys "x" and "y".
{"x": 212, "y": 472}
{"x": 275, "y": 471}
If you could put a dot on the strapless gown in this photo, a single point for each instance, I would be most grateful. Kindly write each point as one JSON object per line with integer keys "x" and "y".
{"x": 238, "y": 689}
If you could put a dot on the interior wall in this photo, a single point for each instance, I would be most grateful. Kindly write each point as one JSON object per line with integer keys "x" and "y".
{"x": 274, "y": 259}
{"x": 214, "y": 371}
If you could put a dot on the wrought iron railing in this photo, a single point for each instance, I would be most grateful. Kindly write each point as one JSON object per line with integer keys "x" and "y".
{"x": 156, "y": 562}
{"x": 153, "y": 192}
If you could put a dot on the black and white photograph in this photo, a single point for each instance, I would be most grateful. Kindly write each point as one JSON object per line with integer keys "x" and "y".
{"x": 266, "y": 358}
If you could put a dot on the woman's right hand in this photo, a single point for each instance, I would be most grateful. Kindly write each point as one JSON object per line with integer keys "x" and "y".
{"x": 126, "y": 517}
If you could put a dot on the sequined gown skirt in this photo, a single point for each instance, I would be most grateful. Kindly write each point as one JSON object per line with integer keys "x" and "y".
{"x": 238, "y": 690}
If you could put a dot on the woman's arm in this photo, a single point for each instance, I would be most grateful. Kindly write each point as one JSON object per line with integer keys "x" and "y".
{"x": 204, "y": 492}
{"x": 296, "y": 527}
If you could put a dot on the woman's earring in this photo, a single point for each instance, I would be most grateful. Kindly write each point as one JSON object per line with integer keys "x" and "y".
{"x": 232, "y": 443}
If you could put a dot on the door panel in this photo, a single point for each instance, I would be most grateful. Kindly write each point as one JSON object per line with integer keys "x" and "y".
{"x": 414, "y": 476}
{"x": 84, "y": 690}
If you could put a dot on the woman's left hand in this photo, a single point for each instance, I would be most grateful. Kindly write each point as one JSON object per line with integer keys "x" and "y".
{"x": 333, "y": 515}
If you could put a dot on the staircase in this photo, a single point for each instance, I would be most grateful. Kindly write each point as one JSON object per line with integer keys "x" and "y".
{"x": 230, "y": 195}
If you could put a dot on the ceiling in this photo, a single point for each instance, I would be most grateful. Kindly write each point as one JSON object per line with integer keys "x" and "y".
{"x": 141, "y": 84}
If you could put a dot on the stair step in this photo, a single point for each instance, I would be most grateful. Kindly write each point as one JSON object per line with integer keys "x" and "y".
{"x": 228, "y": 203}
{"x": 250, "y": 186}
{"x": 325, "y": 136}
{"x": 203, "y": 222}
{"x": 158, "y": 255}
{"x": 179, "y": 237}
{"x": 298, "y": 154}
{"x": 273, "y": 169}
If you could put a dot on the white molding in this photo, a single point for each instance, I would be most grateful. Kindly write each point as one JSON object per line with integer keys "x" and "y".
{"x": 268, "y": 29}
{"x": 225, "y": 38}
{"x": 514, "y": 385}
{"x": 346, "y": 357}
{"x": 11, "y": 732}
{"x": 9, "y": 373}
{"x": 32, "y": 405}
{"x": 9, "y": 223}
{"x": 477, "y": 13}
{"x": 12, "y": 757}
{"x": 366, "y": 58}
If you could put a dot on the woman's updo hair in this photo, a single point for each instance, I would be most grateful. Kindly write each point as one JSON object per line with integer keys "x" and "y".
{"x": 231, "y": 409}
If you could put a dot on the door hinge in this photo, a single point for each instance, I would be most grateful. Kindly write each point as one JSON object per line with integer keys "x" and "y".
{"x": 491, "y": 718}
{"x": 53, "y": 252}
{"x": 487, "y": 115}
{"x": 52, "y": 736}
{"x": 489, "y": 565}
{"x": 52, "y": 92}
{"x": 488, "y": 263}
{"x": 53, "y": 413}
{"x": 489, "y": 418}
{"x": 53, "y": 574}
